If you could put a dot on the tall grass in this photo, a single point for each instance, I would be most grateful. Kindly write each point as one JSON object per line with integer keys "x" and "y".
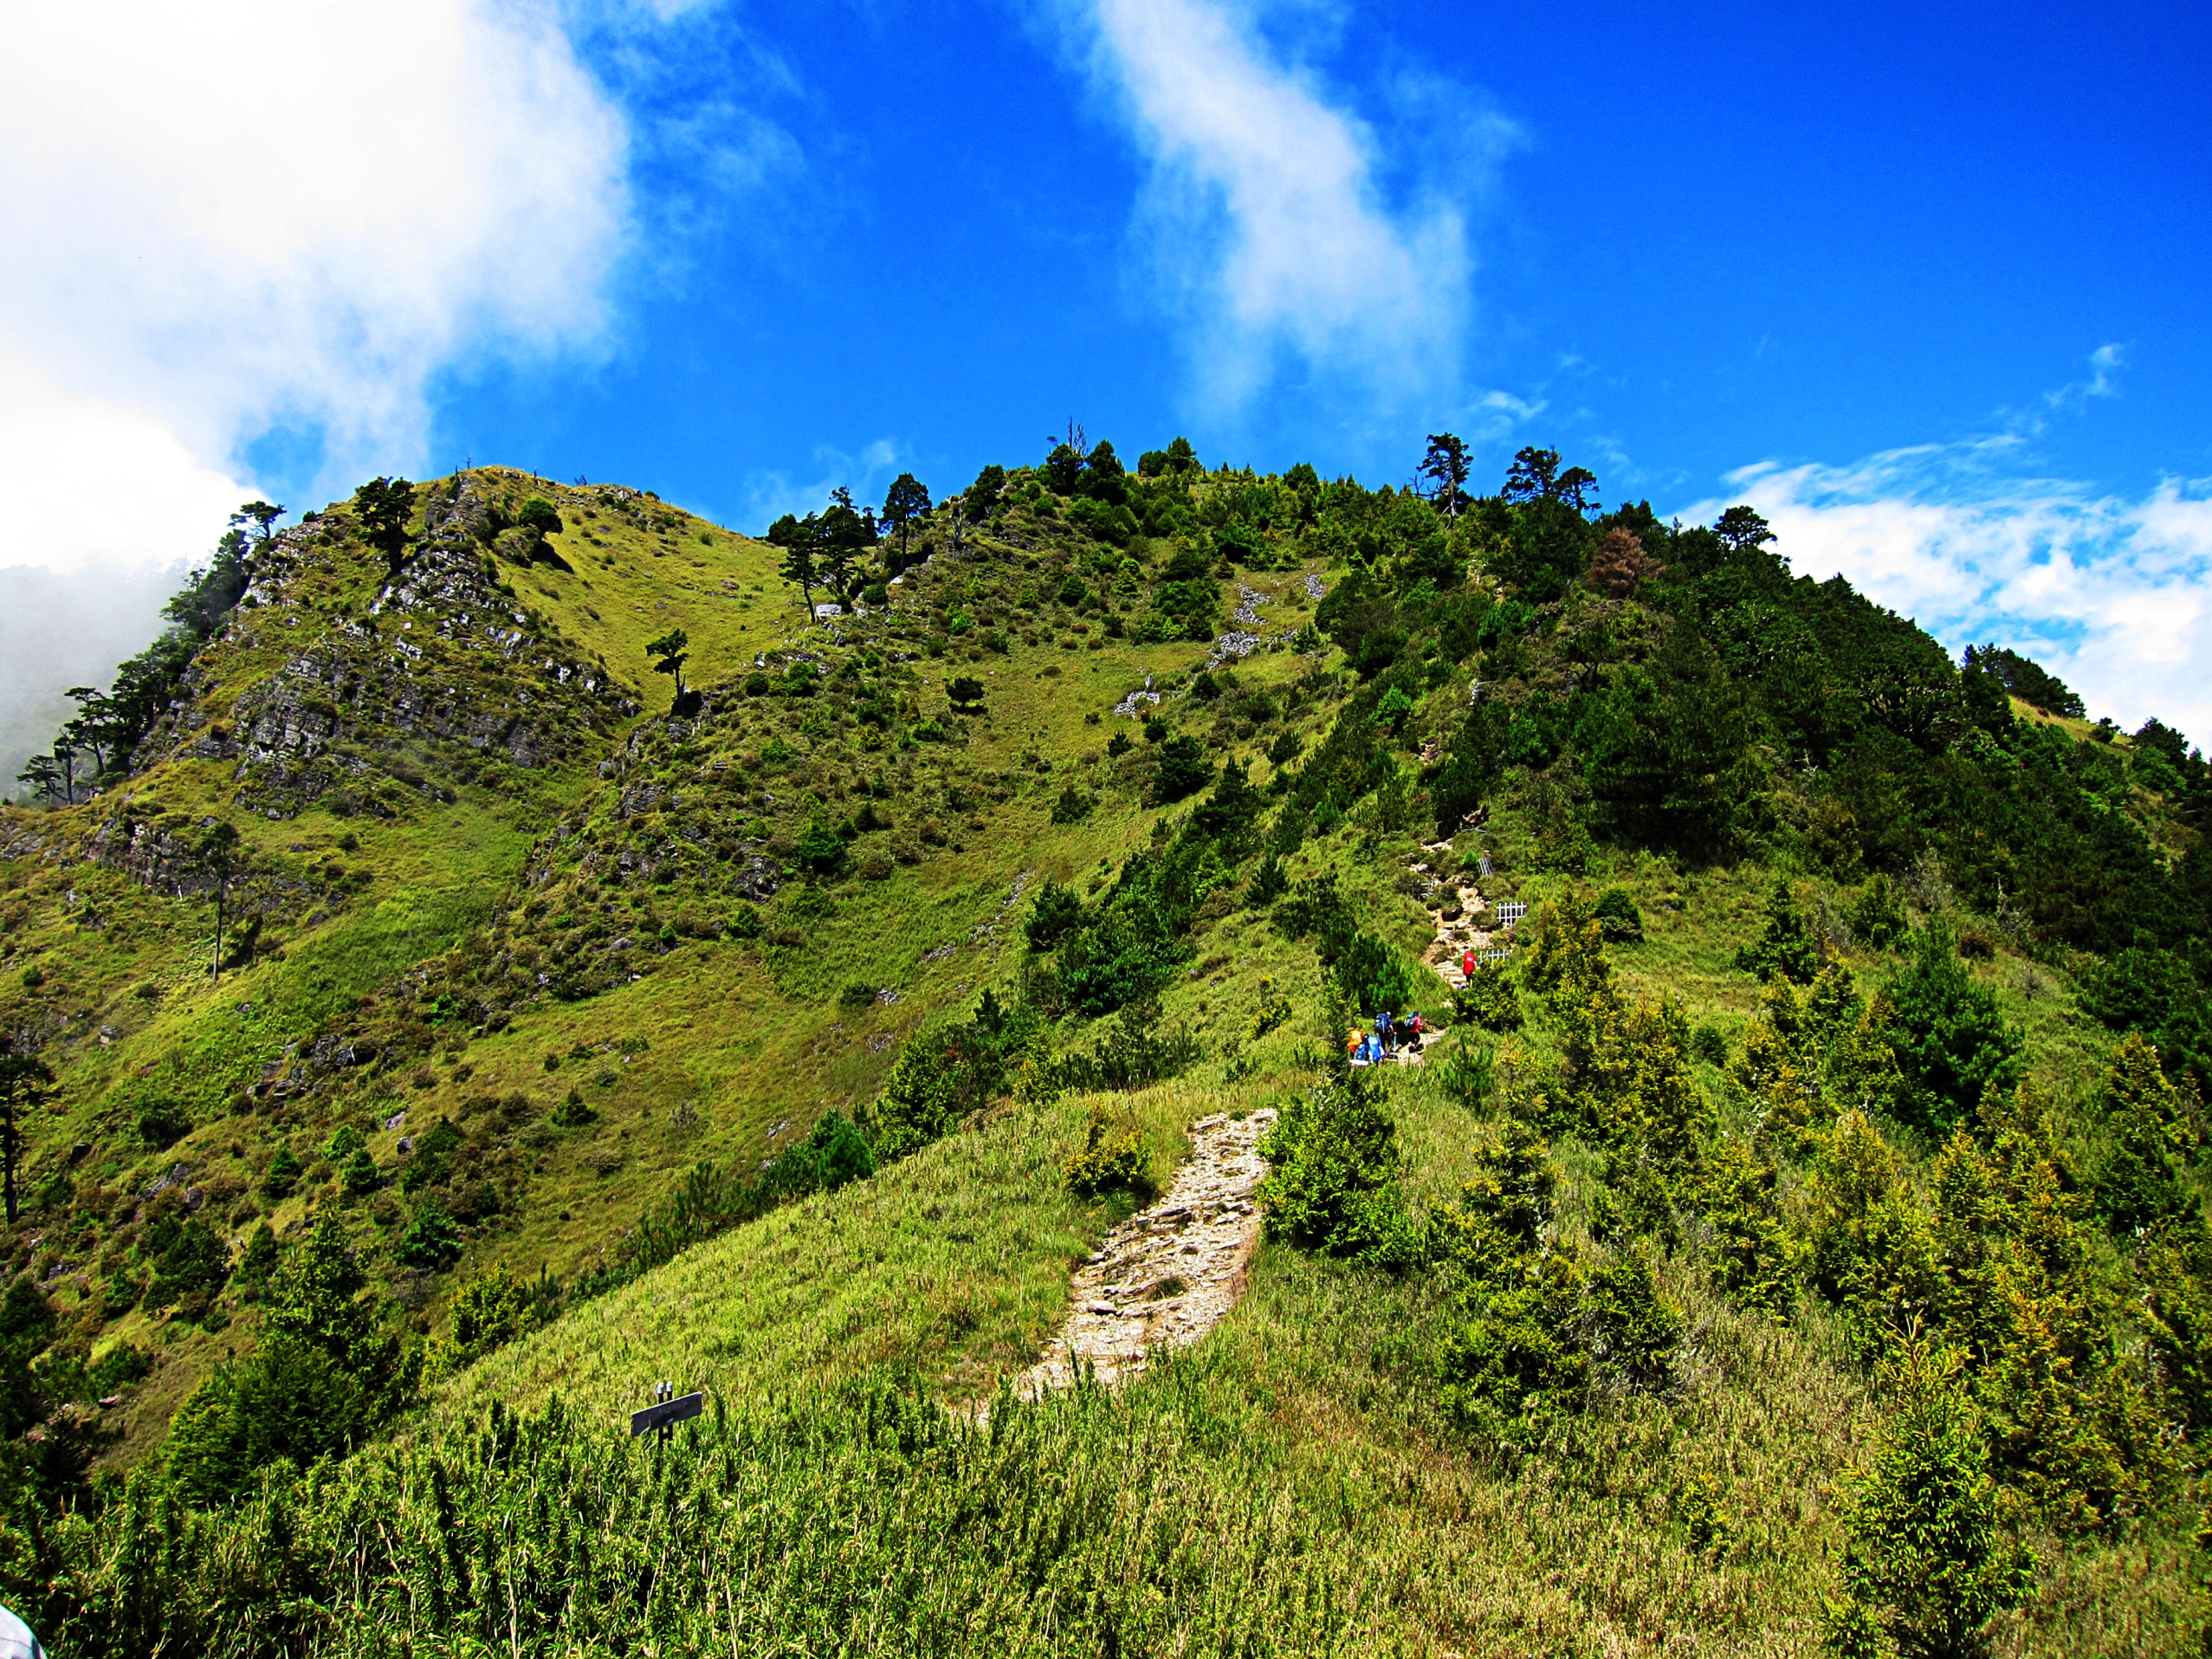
{"x": 867, "y": 1523}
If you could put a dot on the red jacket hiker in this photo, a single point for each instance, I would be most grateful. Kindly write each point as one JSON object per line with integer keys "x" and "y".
{"x": 1466, "y": 964}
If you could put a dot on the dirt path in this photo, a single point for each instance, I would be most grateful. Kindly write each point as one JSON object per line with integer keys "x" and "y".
{"x": 1165, "y": 1276}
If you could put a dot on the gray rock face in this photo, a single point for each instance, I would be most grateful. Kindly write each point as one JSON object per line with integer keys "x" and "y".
{"x": 444, "y": 661}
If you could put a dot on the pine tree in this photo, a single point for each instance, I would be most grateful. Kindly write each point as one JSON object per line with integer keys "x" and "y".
{"x": 1620, "y": 564}
{"x": 1787, "y": 947}
{"x": 1931, "y": 1560}
{"x": 2141, "y": 1184}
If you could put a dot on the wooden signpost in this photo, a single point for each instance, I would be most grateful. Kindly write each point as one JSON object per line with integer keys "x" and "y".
{"x": 666, "y": 1411}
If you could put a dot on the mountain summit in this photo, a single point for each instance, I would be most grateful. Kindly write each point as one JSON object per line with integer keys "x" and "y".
{"x": 511, "y": 945}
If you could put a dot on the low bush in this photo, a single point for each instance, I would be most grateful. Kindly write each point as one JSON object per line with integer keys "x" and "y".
{"x": 1489, "y": 999}
{"x": 1107, "y": 1165}
{"x": 1333, "y": 1177}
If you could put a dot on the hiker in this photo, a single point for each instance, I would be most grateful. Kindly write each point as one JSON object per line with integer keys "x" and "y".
{"x": 1467, "y": 966}
{"x": 16, "y": 1641}
{"x": 1352, "y": 1041}
{"x": 1382, "y": 1030}
{"x": 1415, "y": 1028}
{"x": 1359, "y": 1051}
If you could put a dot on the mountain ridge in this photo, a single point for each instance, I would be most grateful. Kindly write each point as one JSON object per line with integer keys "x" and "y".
{"x": 572, "y": 971}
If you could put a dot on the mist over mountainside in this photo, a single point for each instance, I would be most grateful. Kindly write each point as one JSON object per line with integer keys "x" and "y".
{"x": 507, "y": 943}
{"x": 61, "y": 629}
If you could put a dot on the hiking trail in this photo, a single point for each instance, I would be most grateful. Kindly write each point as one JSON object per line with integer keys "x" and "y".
{"x": 1165, "y": 1276}
{"x": 1452, "y": 908}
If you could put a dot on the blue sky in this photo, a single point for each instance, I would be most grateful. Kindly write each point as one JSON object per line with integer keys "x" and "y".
{"x": 1927, "y": 285}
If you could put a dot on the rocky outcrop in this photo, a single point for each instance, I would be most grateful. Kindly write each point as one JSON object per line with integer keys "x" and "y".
{"x": 443, "y": 673}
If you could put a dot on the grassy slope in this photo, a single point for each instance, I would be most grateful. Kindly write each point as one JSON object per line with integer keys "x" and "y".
{"x": 747, "y": 1046}
{"x": 1704, "y": 1519}
{"x": 949, "y": 1268}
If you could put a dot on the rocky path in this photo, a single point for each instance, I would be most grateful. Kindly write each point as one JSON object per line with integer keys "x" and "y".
{"x": 1453, "y": 909}
{"x": 1165, "y": 1277}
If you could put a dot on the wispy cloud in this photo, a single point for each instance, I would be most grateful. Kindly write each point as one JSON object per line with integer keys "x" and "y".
{"x": 768, "y": 495}
{"x": 1280, "y": 228}
{"x": 2112, "y": 593}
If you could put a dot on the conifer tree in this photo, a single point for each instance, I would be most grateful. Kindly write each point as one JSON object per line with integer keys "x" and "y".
{"x": 1787, "y": 947}
{"x": 382, "y": 507}
{"x": 1932, "y": 1559}
{"x": 669, "y": 652}
{"x": 1620, "y": 564}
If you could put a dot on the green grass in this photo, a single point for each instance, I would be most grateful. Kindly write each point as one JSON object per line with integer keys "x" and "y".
{"x": 1296, "y": 1454}
{"x": 1290, "y": 1486}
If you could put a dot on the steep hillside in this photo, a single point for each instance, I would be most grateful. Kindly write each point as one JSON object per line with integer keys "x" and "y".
{"x": 782, "y": 1008}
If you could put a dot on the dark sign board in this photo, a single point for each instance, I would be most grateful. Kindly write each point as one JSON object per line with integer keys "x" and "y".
{"x": 669, "y": 1411}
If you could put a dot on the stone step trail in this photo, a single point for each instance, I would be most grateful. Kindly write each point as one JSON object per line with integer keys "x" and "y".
{"x": 1168, "y": 1275}
{"x": 1456, "y": 934}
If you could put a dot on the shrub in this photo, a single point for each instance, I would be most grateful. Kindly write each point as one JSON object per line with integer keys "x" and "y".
{"x": 1489, "y": 1000}
{"x": 430, "y": 1239}
{"x": 820, "y": 848}
{"x": 1072, "y": 808}
{"x": 1930, "y": 1559}
{"x": 1709, "y": 1043}
{"x": 189, "y": 1259}
{"x": 1182, "y": 771}
{"x": 1877, "y": 917}
{"x": 259, "y": 1258}
{"x": 1753, "y": 1251}
{"x": 319, "y": 1383}
{"x": 2155, "y": 992}
{"x": 1058, "y": 912}
{"x": 283, "y": 1174}
{"x": 1104, "y": 1165}
{"x": 1514, "y": 1363}
{"x": 1787, "y": 947}
{"x": 573, "y": 1112}
{"x": 1617, "y": 914}
{"x": 833, "y": 1154}
{"x": 1269, "y": 883}
{"x": 1332, "y": 1184}
{"x": 162, "y": 1123}
{"x": 944, "y": 1072}
{"x": 1274, "y": 1010}
{"x": 1951, "y": 1038}
{"x": 1871, "y": 1249}
{"x": 2142, "y": 1183}
{"x": 1630, "y": 1326}
{"x": 1375, "y": 975}
{"x": 358, "y": 1176}
{"x": 1565, "y": 949}
{"x": 1470, "y": 1071}
{"x": 856, "y": 994}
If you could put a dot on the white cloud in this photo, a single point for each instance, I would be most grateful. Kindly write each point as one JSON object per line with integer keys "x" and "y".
{"x": 2113, "y": 594}
{"x": 264, "y": 216}
{"x": 281, "y": 214}
{"x": 1267, "y": 213}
